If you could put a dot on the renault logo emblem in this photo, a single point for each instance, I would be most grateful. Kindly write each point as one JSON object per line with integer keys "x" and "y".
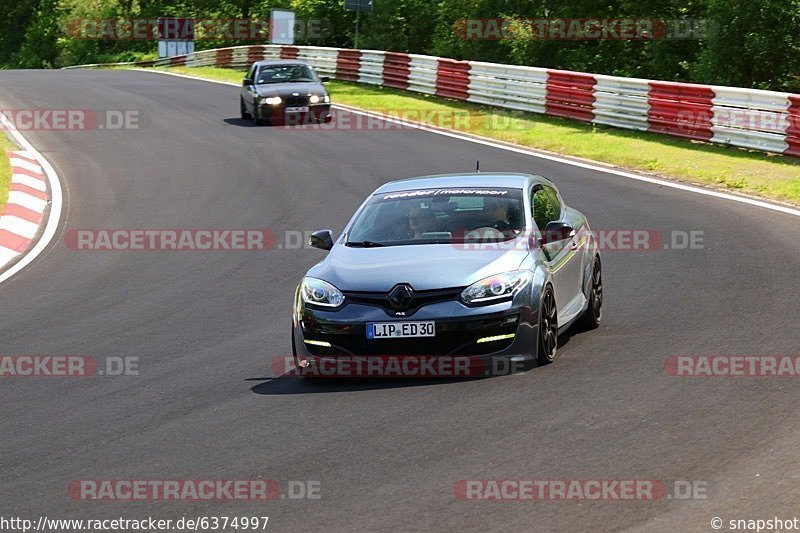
{"x": 400, "y": 297}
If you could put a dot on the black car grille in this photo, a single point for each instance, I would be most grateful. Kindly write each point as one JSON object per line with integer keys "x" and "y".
{"x": 295, "y": 101}
{"x": 453, "y": 337}
{"x": 420, "y": 298}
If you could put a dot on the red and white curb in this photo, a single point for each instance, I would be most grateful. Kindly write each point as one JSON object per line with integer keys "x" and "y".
{"x": 27, "y": 201}
{"x": 30, "y": 218}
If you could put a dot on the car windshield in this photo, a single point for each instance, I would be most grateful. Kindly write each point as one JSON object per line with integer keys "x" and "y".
{"x": 285, "y": 74}
{"x": 436, "y": 216}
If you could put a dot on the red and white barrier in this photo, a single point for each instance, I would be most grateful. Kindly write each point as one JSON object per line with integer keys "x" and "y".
{"x": 680, "y": 109}
{"x": 793, "y": 131}
{"x": 761, "y": 120}
{"x": 24, "y": 211}
{"x": 396, "y": 70}
{"x": 570, "y": 95}
{"x": 452, "y": 79}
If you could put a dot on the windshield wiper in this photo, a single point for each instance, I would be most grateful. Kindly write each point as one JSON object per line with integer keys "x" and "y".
{"x": 364, "y": 244}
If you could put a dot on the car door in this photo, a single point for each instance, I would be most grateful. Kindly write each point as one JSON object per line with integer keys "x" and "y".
{"x": 561, "y": 255}
{"x": 573, "y": 271}
{"x": 249, "y": 89}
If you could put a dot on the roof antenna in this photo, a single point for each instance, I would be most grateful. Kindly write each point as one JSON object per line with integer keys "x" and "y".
{"x": 477, "y": 166}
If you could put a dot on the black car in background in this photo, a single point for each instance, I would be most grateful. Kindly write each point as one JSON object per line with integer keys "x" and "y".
{"x": 284, "y": 92}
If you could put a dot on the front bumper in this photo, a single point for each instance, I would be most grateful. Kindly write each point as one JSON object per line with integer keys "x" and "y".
{"x": 458, "y": 330}
{"x": 278, "y": 114}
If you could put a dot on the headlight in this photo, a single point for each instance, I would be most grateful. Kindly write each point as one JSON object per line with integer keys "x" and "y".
{"x": 314, "y": 99}
{"x": 326, "y": 99}
{"x": 271, "y": 100}
{"x": 496, "y": 288}
{"x": 317, "y": 292}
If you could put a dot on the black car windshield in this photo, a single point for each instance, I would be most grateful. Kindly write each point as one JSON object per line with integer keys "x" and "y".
{"x": 285, "y": 74}
{"x": 439, "y": 216}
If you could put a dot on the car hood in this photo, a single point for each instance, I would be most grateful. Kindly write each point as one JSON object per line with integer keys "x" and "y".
{"x": 424, "y": 266}
{"x": 281, "y": 89}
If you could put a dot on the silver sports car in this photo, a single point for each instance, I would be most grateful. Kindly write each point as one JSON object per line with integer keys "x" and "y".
{"x": 466, "y": 265}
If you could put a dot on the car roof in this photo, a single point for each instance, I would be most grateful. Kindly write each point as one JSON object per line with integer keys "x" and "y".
{"x": 475, "y": 179}
{"x": 275, "y": 62}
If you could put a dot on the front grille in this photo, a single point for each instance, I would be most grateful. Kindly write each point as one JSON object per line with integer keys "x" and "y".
{"x": 295, "y": 101}
{"x": 453, "y": 337}
{"x": 381, "y": 299}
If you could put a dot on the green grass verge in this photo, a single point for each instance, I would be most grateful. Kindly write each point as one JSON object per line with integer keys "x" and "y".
{"x": 770, "y": 176}
{"x": 5, "y": 169}
{"x": 124, "y": 57}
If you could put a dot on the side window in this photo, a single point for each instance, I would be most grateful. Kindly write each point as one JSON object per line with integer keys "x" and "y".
{"x": 251, "y": 74}
{"x": 552, "y": 195}
{"x": 544, "y": 210}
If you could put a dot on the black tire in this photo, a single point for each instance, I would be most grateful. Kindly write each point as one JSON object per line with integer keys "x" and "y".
{"x": 243, "y": 109}
{"x": 594, "y": 311}
{"x": 548, "y": 328}
{"x": 257, "y": 120}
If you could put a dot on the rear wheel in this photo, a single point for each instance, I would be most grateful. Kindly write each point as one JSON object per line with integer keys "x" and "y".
{"x": 548, "y": 328}
{"x": 243, "y": 109}
{"x": 594, "y": 311}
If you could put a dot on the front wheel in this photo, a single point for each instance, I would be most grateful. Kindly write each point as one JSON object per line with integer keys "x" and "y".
{"x": 548, "y": 328}
{"x": 243, "y": 109}
{"x": 258, "y": 121}
{"x": 594, "y": 311}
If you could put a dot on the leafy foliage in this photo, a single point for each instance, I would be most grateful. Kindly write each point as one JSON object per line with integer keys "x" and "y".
{"x": 732, "y": 42}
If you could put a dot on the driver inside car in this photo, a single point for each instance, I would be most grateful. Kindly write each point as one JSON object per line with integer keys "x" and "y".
{"x": 421, "y": 221}
{"x": 496, "y": 211}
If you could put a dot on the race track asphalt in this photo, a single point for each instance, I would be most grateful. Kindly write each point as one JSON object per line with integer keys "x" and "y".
{"x": 205, "y": 326}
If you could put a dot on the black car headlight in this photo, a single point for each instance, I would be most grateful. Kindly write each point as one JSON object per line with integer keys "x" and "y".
{"x": 317, "y": 292}
{"x": 271, "y": 100}
{"x": 496, "y": 288}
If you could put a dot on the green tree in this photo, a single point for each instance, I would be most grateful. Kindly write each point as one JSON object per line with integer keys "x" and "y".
{"x": 754, "y": 44}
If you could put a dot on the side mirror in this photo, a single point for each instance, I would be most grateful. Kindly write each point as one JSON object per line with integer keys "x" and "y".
{"x": 322, "y": 239}
{"x": 556, "y": 231}
{"x": 324, "y": 79}
{"x": 246, "y": 82}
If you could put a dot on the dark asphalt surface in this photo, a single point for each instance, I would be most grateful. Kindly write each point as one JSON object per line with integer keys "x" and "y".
{"x": 387, "y": 454}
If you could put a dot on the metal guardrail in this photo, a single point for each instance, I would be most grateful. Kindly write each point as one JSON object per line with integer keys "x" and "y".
{"x": 748, "y": 118}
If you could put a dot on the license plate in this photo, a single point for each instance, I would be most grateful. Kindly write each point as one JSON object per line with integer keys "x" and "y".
{"x": 303, "y": 109}
{"x": 397, "y": 330}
